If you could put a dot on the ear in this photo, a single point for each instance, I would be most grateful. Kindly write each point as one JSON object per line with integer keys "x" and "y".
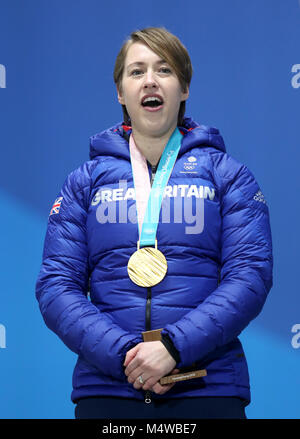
{"x": 120, "y": 97}
{"x": 185, "y": 95}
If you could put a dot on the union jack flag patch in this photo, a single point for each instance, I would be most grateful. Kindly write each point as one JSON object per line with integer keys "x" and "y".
{"x": 56, "y": 206}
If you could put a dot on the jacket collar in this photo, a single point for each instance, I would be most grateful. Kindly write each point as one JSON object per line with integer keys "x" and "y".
{"x": 114, "y": 141}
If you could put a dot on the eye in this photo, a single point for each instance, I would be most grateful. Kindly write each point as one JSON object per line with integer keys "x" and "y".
{"x": 136, "y": 72}
{"x": 165, "y": 70}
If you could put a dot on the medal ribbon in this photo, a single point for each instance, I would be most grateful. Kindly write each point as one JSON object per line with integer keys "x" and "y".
{"x": 141, "y": 180}
{"x": 148, "y": 215}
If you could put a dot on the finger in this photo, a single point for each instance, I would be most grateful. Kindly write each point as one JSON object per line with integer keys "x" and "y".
{"x": 166, "y": 387}
{"x": 160, "y": 390}
{"x": 149, "y": 383}
{"x": 137, "y": 384}
{"x": 137, "y": 362}
{"x": 134, "y": 378}
{"x": 130, "y": 355}
{"x": 134, "y": 363}
{"x": 135, "y": 374}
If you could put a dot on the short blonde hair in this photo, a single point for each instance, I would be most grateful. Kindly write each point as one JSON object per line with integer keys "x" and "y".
{"x": 169, "y": 48}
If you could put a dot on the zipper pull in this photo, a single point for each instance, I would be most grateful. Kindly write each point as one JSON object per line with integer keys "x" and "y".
{"x": 148, "y": 397}
{"x": 153, "y": 171}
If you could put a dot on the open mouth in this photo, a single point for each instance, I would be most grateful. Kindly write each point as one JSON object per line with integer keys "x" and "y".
{"x": 152, "y": 102}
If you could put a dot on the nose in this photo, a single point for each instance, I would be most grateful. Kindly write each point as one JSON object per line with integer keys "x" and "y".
{"x": 150, "y": 81}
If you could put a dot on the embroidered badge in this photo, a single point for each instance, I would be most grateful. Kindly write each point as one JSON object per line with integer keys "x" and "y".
{"x": 56, "y": 206}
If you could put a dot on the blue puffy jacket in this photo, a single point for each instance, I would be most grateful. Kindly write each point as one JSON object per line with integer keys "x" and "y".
{"x": 215, "y": 234}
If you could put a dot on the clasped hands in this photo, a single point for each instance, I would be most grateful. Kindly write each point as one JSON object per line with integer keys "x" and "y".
{"x": 152, "y": 361}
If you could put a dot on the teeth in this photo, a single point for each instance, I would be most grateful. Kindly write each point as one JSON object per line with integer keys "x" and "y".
{"x": 152, "y": 98}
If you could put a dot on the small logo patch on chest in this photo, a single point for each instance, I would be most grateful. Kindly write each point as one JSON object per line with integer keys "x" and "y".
{"x": 190, "y": 166}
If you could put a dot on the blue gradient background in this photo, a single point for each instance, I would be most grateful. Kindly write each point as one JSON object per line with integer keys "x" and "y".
{"x": 59, "y": 57}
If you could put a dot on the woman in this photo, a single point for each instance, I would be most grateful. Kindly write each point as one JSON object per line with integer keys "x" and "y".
{"x": 167, "y": 232}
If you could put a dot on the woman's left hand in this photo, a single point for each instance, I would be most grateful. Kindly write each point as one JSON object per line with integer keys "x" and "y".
{"x": 151, "y": 360}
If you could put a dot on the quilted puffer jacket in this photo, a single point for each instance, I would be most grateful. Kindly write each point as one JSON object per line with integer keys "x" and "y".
{"x": 215, "y": 234}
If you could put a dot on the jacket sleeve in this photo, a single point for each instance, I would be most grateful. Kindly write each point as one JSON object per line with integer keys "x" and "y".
{"x": 245, "y": 273}
{"x": 62, "y": 285}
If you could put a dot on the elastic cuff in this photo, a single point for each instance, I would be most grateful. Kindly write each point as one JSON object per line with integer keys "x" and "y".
{"x": 167, "y": 342}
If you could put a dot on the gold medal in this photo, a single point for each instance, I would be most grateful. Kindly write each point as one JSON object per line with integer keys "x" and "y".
{"x": 147, "y": 266}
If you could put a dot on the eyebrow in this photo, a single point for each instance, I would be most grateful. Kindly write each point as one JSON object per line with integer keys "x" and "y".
{"x": 140, "y": 63}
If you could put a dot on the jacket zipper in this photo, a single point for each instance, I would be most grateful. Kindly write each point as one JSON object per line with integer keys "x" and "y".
{"x": 148, "y": 301}
{"x": 148, "y": 310}
{"x": 153, "y": 170}
{"x": 148, "y": 328}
